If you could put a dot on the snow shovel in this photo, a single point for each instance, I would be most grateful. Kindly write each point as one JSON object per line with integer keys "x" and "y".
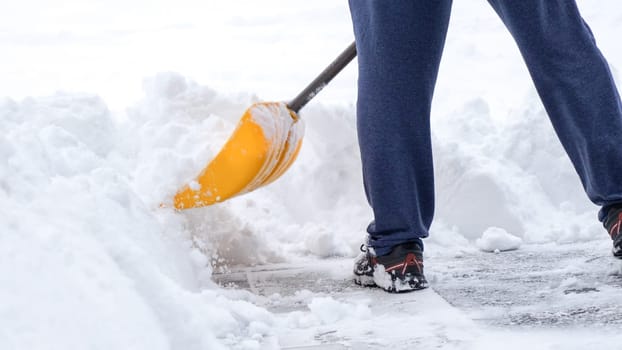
{"x": 263, "y": 146}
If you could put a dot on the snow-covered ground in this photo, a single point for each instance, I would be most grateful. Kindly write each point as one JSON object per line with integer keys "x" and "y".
{"x": 96, "y": 132}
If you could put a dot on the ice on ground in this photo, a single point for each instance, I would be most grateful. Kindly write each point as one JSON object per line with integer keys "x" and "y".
{"x": 496, "y": 239}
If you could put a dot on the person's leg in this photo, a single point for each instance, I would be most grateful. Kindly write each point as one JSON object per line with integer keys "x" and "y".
{"x": 576, "y": 87}
{"x": 399, "y": 45}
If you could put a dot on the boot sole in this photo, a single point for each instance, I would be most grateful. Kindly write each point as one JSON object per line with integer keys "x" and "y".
{"x": 396, "y": 286}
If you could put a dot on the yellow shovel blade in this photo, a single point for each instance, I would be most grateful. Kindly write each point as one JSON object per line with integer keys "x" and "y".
{"x": 263, "y": 146}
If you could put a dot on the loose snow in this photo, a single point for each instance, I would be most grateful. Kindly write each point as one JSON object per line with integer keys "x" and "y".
{"x": 496, "y": 239}
{"x": 92, "y": 256}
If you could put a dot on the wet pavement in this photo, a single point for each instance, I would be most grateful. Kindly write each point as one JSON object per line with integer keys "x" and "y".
{"x": 559, "y": 286}
{"x": 553, "y": 285}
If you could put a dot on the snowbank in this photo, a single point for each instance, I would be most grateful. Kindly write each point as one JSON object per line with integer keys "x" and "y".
{"x": 87, "y": 257}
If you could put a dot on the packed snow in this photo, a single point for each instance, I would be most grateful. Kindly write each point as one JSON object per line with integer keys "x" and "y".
{"x": 97, "y": 134}
{"x": 496, "y": 239}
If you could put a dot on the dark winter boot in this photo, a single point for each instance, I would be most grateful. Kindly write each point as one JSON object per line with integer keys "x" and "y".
{"x": 399, "y": 271}
{"x": 613, "y": 224}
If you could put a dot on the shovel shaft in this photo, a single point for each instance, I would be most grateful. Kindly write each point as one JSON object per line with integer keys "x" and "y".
{"x": 323, "y": 79}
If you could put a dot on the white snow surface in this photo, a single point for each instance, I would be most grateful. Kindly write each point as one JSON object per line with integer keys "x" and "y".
{"x": 496, "y": 239}
{"x": 93, "y": 257}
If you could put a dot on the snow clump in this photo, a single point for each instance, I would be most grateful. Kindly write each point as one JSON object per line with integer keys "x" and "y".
{"x": 497, "y": 239}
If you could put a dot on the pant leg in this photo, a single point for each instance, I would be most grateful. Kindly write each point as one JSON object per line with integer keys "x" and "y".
{"x": 576, "y": 87}
{"x": 399, "y": 45}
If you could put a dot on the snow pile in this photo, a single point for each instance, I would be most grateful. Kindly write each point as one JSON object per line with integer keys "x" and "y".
{"x": 87, "y": 257}
{"x": 512, "y": 174}
{"x": 497, "y": 239}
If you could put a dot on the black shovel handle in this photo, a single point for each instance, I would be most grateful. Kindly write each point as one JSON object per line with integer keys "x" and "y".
{"x": 323, "y": 79}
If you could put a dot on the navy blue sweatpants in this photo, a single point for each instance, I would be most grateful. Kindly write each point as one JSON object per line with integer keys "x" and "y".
{"x": 399, "y": 45}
